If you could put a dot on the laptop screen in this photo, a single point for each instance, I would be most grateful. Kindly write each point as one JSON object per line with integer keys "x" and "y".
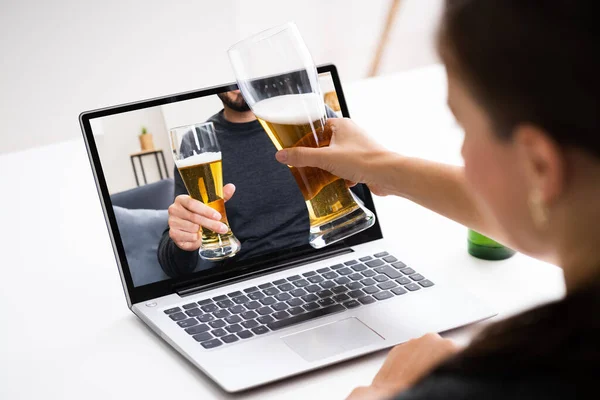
{"x": 267, "y": 212}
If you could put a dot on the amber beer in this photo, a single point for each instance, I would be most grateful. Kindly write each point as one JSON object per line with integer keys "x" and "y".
{"x": 285, "y": 119}
{"x": 202, "y": 175}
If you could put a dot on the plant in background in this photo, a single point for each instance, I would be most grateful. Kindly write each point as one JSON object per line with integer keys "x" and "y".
{"x": 144, "y": 130}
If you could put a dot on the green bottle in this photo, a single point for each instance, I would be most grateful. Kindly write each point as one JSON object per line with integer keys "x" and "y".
{"x": 485, "y": 248}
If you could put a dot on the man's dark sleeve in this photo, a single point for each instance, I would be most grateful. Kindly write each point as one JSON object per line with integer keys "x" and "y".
{"x": 174, "y": 261}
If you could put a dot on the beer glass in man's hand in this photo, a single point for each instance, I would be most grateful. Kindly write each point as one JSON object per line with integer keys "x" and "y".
{"x": 198, "y": 158}
{"x": 279, "y": 81}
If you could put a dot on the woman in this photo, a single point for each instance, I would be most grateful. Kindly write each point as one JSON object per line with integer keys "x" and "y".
{"x": 523, "y": 81}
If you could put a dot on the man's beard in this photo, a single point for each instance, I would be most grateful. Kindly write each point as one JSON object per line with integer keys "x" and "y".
{"x": 239, "y": 104}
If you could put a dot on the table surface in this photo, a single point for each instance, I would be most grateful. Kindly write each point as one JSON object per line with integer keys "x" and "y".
{"x": 66, "y": 330}
{"x": 144, "y": 152}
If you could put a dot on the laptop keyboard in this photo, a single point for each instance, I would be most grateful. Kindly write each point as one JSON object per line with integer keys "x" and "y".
{"x": 281, "y": 303}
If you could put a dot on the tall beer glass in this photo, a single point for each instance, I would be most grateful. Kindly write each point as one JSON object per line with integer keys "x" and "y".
{"x": 197, "y": 156}
{"x": 279, "y": 81}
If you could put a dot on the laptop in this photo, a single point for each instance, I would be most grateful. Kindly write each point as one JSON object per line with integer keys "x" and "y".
{"x": 279, "y": 307}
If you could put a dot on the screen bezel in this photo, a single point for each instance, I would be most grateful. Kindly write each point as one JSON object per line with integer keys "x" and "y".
{"x": 275, "y": 261}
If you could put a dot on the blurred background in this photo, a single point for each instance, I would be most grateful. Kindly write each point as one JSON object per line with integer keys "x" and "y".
{"x": 62, "y": 57}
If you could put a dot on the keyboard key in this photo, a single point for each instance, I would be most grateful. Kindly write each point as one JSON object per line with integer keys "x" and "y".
{"x": 249, "y": 315}
{"x": 219, "y": 298}
{"x": 219, "y": 323}
{"x": 382, "y": 254}
{"x": 368, "y": 282}
{"x": 265, "y": 285}
{"x": 399, "y": 265}
{"x": 354, "y": 285}
{"x": 345, "y": 271}
{"x": 172, "y": 310}
{"x": 389, "y": 272}
{"x": 325, "y": 293}
{"x": 387, "y": 285}
{"x": 206, "y": 318}
{"x": 381, "y": 278}
{"x": 194, "y": 312}
{"x": 294, "y": 278}
{"x": 342, "y": 280}
{"x": 340, "y": 298}
{"x": 369, "y": 273}
{"x": 323, "y": 270}
{"x": 351, "y": 262}
{"x": 202, "y": 337}
{"x": 319, "y": 278}
{"x": 219, "y": 332}
{"x": 327, "y": 284}
{"x": 313, "y": 288}
{"x": 251, "y": 289}
{"x": 371, "y": 289}
{"x": 426, "y": 283}
{"x": 281, "y": 314}
{"x": 383, "y": 295}
{"x": 283, "y": 296}
{"x": 417, "y": 277}
{"x": 197, "y": 329}
{"x": 337, "y": 266}
{"x": 359, "y": 267}
{"x": 260, "y": 330}
{"x": 256, "y": 295}
{"x": 355, "y": 294}
{"x": 271, "y": 291}
{"x": 279, "y": 282}
{"x": 351, "y": 304}
{"x": 403, "y": 281}
{"x": 245, "y": 334}
{"x": 225, "y": 303}
{"x": 253, "y": 305}
{"x": 237, "y": 309}
{"x": 234, "y": 294}
{"x": 366, "y": 300}
{"x": 326, "y": 302}
{"x": 407, "y": 271}
{"x": 205, "y": 302}
{"x": 268, "y": 301}
{"x": 339, "y": 289}
{"x": 390, "y": 259}
{"x": 295, "y": 302}
{"x": 233, "y": 319}
{"x": 311, "y": 306}
{"x": 412, "y": 287}
{"x": 265, "y": 310}
{"x": 191, "y": 305}
{"x": 298, "y": 292}
{"x": 241, "y": 300}
{"x": 296, "y": 310}
{"x": 296, "y": 319}
{"x": 286, "y": 287}
{"x": 211, "y": 344}
{"x": 209, "y": 308}
{"x": 398, "y": 291}
{"x": 301, "y": 283}
{"x": 230, "y": 338}
{"x": 374, "y": 263}
{"x": 309, "y": 273}
{"x": 234, "y": 328}
{"x": 222, "y": 313}
{"x": 330, "y": 275}
{"x": 363, "y": 259}
{"x": 280, "y": 306}
{"x": 310, "y": 297}
{"x": 355, "y": 277}
{"x": 178, "y": 316}
{"x": 265, "y": 319}
{"x": 250, "y": 324}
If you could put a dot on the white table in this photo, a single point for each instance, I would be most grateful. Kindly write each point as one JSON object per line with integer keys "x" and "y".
{"x": 66, "y": 332}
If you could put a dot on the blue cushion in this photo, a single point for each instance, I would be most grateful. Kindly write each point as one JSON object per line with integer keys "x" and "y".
{"x": 153, "y": 196}
{"x": 141, "y": 231}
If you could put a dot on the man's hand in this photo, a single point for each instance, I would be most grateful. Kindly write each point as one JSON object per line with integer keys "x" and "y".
{"x": 187, "y": 217}
{"x": 405, "y": 365}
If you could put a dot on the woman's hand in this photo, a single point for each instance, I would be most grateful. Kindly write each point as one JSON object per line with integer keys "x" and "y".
{"x": 187, "y": 216}
{"x": 405, "y": 365}
{"x": 351, "y": 155}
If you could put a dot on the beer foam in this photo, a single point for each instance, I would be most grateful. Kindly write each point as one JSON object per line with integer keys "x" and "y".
{"x": 198, "y": 159}
{"x": 291, "y": 109}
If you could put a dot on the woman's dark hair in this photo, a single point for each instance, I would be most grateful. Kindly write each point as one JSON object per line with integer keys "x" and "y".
{"x": 529, "y": 61}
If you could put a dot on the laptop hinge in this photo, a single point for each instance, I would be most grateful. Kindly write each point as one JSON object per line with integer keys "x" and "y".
{"x": 189, "y": 290}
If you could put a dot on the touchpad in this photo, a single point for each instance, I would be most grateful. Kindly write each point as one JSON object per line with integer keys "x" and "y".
{"x": 331, "y": 339}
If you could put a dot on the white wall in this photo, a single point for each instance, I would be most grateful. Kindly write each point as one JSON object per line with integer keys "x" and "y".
{"x": 62, "y": 57}
{"x": 191, "y": 111}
